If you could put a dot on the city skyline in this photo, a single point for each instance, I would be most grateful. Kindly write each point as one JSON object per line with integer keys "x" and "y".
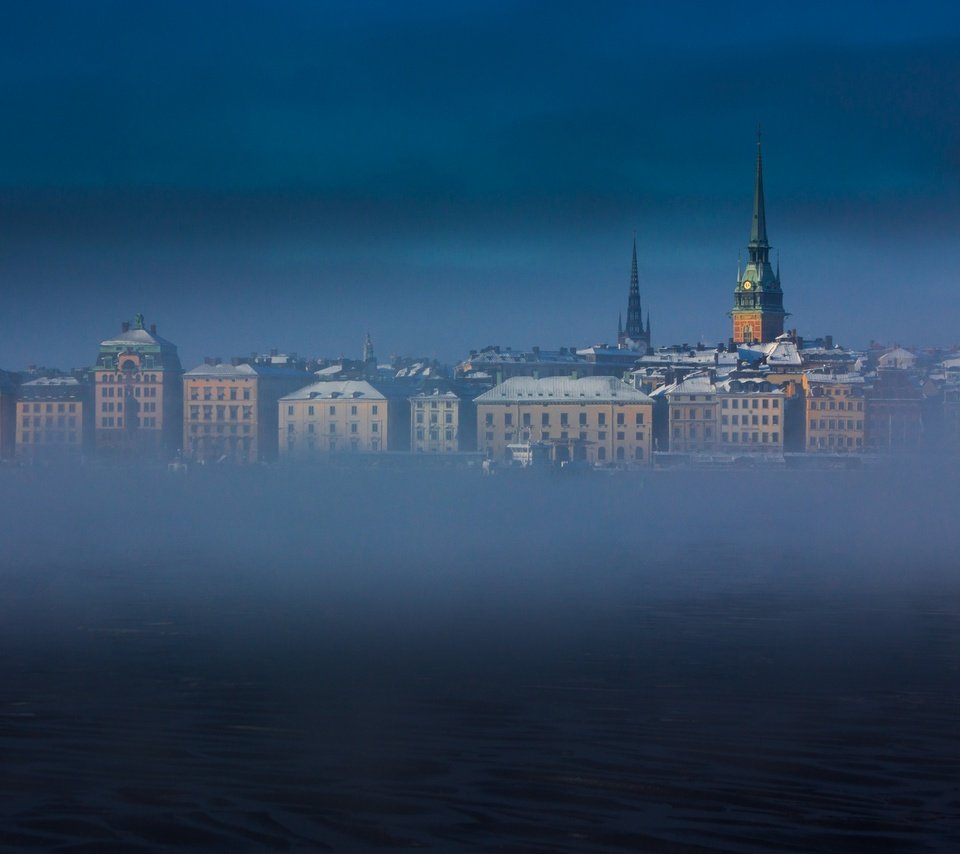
{"x": 296, "y": 178}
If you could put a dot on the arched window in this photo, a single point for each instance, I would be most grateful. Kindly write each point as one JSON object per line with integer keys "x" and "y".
{"x": 748, "y": 334}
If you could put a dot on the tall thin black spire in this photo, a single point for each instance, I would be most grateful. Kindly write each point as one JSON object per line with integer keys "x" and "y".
{"x": 634, "y": 328}
{"x": 758, "y": 230}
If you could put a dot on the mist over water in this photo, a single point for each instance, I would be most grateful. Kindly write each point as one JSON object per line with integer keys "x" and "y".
{"x": 299, "y": 658}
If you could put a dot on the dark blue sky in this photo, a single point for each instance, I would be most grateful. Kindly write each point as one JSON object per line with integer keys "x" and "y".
{"x": 253, "y": 174}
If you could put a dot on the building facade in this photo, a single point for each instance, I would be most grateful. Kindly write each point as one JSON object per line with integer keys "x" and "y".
{"x": 138, "y": 397}
{"x": 692, "y": 415}
{"x": 338, "y": 416}
{"x": 8, "y": 413}
{"x": 442, "y": 422}
{"x": 835, "y": 414}
{"x": 599, "y": 420}
{"x": 752, "y": 416}
{"x": 230, "y": 411}
{"x": 893, "y": 412}
{"x": 54, "y": 420}
{"x": 758, "y": 314}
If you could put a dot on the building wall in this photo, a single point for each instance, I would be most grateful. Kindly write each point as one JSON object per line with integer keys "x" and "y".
{"x": 893, "y": 413}
{"x": 221, "y": 419}
{"x": 595, "y": 432}
{"x": 752, "y": 422}
{"x": 692, "y": 423}
{"x": 137, "y": 411}
{"x": 310, "y": 428}
{"x": 763, "y": 326}
{"x": 435, "y": 424}
{"x": 52, "y": 429}
{"x": 835, "y": 418}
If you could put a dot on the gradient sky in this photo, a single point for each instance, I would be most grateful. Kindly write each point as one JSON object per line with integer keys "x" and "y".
{"x": 449, "y": 175}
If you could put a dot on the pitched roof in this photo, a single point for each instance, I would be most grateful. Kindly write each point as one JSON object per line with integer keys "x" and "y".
{"x": 594, "y": 389}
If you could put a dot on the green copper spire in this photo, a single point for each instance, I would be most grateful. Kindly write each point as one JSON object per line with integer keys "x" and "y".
{"x": 758, "y": 231}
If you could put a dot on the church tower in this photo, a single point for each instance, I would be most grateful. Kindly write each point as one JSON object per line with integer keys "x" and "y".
{"x": 758, "y": 300}
{"x": 633, "y": 337}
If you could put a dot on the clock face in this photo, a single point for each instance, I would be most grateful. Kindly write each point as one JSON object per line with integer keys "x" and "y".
{"x": 747, "y": 285}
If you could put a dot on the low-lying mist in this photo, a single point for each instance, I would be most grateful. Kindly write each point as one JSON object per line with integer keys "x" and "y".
{"x": 443, "y": 644}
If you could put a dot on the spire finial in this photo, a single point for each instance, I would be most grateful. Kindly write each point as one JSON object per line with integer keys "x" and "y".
{"x": 758, "y": 231}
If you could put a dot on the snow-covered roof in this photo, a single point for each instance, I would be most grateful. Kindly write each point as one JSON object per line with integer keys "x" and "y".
{"x": 594, "y": 389}
{"x": 748, "y": 385}
{"x": 897, "y": 358}
{"x": 846, "y": 379}
{"x": 245, "y": 370}
{"x": 53, "y": 381}
{"x": 336, "y": 390}
{"x": 779, "y": 353}
{"x": 136, "y": 336}
{"x": 692, "y": 384}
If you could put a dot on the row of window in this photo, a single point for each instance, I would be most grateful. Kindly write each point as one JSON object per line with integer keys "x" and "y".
{"x": 434, "y": 418}
{"x": 447, "y": 404}
{"x": 764, "y": 403}
{"x": 333, "y": 445}
{"x": 836, "y": 442}
{"x": 116, "y": 378}
{"x": 332, "y": 410}
{"x": 50, "y": 437}
{"x": 109, "y": 421}
{"x": 332, "y": 427}
{"x": 48, "y": 407}
{"x": 138, "y": 391}
{"x": 835, "y": 424}
{"x": 751, "y": 419}
{"x": 751, "y": 438}
{"x": 545, "y": 436}
{"x": 222, "y": 413}
{"x": 838, "y": 404}
{"x": 48, "y": 422}
{"x": 221, "y": 394}
{"x": 583, "y": 419}
{"x": 220, "y": 428}
{"x": 435, "y": 434}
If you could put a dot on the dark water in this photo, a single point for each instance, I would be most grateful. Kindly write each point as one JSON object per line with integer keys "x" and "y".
{"x": 352, "y": 661}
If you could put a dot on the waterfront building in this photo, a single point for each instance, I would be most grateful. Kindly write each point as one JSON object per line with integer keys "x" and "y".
{"x": 442, "y": 421}
{"x": 54, "y": 420}
{"x": 230, "y": 411}
{"x": 893, "y": 412}
{"x": 835, "y": 413}
{"x": 138, "y": 397}
{"x": 758, "y": 314}
{"x": 595, "y": 419}
{"x": 752, "y": 416}
{"x": 336, "y": 416}
{"x": 691, "y": 410}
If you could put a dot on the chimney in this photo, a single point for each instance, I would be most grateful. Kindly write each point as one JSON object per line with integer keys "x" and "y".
{"x": 125, "y": 326}
{"x": 208, "y": 360}
{"x": 153, "y": 328}
{"x": 273, "y": 351}
{"x": 828, "y": 339}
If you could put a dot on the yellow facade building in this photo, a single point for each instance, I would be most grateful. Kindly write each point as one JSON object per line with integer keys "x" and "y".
{"x": 692, "y": 414}
{"x": 600, "y": 420}
{"x": 53, "y": 420}
{"x": 230, "y": 411}
{"x": 752, "y": 416}
{"x": 834, "y": 410}
{"x": 442, "y": 422}
{"x": 337, "y": 416}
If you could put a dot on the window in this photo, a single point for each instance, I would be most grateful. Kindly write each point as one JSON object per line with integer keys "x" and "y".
{"x": 333, "y": 428}
{"x": 488, "y": 419}
{"x": 353, "y": 427}
{"x": 602, "y": 419}
{"x": 526, "y": 419}
{"x": 620, "y": 419}
{"x": 375, "y": 427}
{"x": 564, "y": 420}
{"x": 353, "y": 410}
{"x": 375, "y": 409}
{"x": 310, "y": 410}
{"x": 333, "y": 410}
{"x": 583, "y": 419}
{"x": 639, "y": 419}
{"x": 601, "y": 453}
{"x": 620, "y": 435}
{"x": 545, "y": 419}
{"x": 289, "y": 410}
